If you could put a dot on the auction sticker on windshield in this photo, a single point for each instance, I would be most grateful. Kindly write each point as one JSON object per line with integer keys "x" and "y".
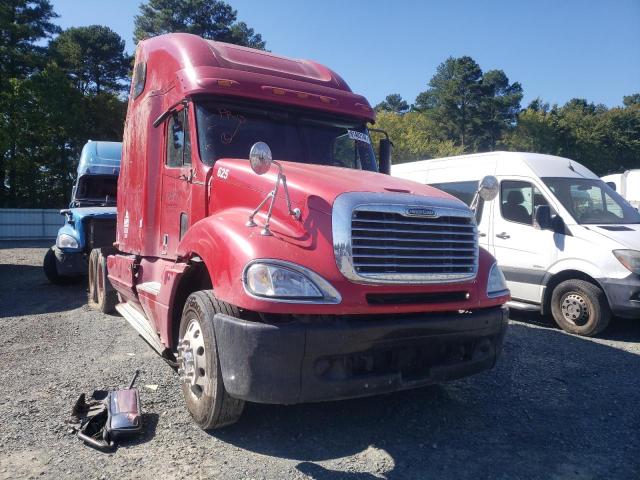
{"x": 362, "y": 137}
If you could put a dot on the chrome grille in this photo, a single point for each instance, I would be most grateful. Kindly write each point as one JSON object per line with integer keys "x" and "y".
{"x": 389, "y": 244}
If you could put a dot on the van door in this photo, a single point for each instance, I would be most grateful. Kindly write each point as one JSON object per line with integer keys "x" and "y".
{"x": 524, "y": 252}
{"x": 176, "y": 183}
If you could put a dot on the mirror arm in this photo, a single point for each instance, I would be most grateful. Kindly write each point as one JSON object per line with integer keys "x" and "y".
{"x": 383, "y": 132}
{"x": 168, "y": 112}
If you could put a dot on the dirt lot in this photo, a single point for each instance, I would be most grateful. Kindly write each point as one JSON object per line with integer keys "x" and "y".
{"x": 556, "y": 406}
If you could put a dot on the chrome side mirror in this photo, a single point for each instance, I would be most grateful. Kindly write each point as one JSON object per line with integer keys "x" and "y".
{"x": 260, "y": 158}
{"x": 488, "y": 188}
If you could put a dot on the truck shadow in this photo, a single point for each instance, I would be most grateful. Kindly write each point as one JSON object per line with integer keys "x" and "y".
{"x": 24, "y": 290}
{"x": 620, "y": 329}
{"x": 551, "y": 407}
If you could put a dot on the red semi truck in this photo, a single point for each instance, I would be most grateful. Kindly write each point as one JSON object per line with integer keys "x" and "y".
{"x": 260, "y": 248}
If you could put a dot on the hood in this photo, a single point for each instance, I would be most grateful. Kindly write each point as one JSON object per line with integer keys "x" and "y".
{"x": 319, "y": 185}
{"x": 100, "y": 212}
{"x": 628, "y": 236}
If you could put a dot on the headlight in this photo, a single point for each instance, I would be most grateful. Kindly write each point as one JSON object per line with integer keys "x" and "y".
{"x": 630, "y": 259}
{"x": 496, "y": 283}
{"x": 66, "y": 241}
{"x": 283, "y": 281}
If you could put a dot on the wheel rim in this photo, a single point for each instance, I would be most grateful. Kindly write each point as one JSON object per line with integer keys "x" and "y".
{"x": 192, "y": 359}
{"x": 575, "y": 309}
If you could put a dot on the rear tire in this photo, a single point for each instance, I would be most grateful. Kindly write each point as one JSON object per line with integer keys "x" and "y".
{"x": 106, "y": 296}
{"x": 580, "y": 307}
{"x": 202, "y": 386}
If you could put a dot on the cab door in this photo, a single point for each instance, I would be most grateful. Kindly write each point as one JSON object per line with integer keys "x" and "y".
{"x": 177, "y": 177}
{"x": 524, "y": 252}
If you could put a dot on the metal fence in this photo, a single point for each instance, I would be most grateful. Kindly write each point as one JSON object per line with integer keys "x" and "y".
{"x": 29, "y": 224}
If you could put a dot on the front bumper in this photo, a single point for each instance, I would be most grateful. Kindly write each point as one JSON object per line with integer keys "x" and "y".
{"x": 70, "y": 263}
{"x": 339, "y": 357}
{"x": 623, "y": 295}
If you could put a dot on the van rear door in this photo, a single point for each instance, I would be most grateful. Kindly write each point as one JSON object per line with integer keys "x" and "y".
{"x": 523, "y": 252}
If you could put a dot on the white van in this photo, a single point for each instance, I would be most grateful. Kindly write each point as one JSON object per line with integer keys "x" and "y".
{"x": 567, "y": 243}
{"x": 627, "y": 184}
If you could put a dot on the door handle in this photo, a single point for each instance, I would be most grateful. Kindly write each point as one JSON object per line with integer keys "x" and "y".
{"x": 482, "y": 234}
{"x": 503, "y": 235}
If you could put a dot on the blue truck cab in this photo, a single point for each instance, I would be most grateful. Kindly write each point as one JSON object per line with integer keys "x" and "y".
{"x": 90, "y": 220}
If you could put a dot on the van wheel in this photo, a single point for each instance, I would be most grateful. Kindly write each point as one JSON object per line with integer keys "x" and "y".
{"x": 92, "y": 271}
{"x": 106, "y": 296}
{"x": 207, "y": 400}
{"x": 580, "y": 307}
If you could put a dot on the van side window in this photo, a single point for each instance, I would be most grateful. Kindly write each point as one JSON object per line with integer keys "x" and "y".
{"x": 178, "y": 141}
{"x": 464, "y": 191}
{"x": 518, "y": 201}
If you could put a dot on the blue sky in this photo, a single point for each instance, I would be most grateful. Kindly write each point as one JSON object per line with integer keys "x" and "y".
{"x": 556, "y": 49}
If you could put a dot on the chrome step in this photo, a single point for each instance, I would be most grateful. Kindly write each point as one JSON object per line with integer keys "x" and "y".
{"x": 140, "y": 323}
{"x": 150, "y": 287}
{"x": 529, "y": 307}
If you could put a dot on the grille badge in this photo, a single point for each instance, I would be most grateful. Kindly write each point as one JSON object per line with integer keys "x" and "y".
{"x": 420, "y": 212}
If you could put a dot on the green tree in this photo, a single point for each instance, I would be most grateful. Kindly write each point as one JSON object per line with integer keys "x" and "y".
{"x": 473, "y": 109}
{"x": 23, "y": 26}
{"x": 415, "y": 136}
{"x": 498, "y": 108}
{"x": 393, "y": 103}
{"x": 453, "y": 98}
{"x": 94, "y": 58}
{"x": 212, "y": 19}
{"x": 630, "y": 100}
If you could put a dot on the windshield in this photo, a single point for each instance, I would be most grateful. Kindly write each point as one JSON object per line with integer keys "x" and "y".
{"x": 591, "y": 201}
{"x": 95, "y": 190}
{"x": 228, "y": 130}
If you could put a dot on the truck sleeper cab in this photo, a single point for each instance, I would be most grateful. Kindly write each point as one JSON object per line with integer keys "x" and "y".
{"x": 567, "y": 243}
{"x": 90, "y": 220}
{"x": 259, "y": 244}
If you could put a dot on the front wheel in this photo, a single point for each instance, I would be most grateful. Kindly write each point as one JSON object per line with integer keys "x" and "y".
{"x": 207, "y": 400}
{"x": 580, "y": 307}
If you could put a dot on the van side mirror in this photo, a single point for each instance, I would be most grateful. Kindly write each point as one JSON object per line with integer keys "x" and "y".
{"x": 612, "y": 185}
{"x": 542, "y": 219}
{"x": 384, "y": 149}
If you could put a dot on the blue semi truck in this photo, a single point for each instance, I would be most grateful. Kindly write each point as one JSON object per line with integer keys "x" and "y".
{"x": 90, "y": 220}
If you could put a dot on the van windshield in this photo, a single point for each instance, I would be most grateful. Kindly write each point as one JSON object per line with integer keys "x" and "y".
{"x": 228, "y": 130}
{"x": 591, "y": 201}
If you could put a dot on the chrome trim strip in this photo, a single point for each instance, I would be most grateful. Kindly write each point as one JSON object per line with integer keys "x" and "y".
{"x": 399, "y": 203}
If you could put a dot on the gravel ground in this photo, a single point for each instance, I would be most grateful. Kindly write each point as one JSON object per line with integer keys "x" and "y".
{"x": 555, "y": 406}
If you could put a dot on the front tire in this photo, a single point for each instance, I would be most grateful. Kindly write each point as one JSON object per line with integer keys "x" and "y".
{"x": 50, "y": 267}
{"x": 580, "y": 307}
{"x": 202, "y": 386}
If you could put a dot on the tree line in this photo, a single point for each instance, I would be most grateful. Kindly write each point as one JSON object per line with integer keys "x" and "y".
{"x": 465, "y": 110}
{"x": 60, "y": 88}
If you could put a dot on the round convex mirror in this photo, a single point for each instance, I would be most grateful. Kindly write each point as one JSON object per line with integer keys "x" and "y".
{"x": 260, "y": 158}
{"x": 489, "y": 187}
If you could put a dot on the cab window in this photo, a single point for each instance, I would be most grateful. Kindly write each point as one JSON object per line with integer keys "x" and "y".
{"x": 178, "y": 141}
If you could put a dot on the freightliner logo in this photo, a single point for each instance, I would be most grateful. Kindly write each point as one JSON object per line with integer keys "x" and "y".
{"x": 420, "y": 212}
